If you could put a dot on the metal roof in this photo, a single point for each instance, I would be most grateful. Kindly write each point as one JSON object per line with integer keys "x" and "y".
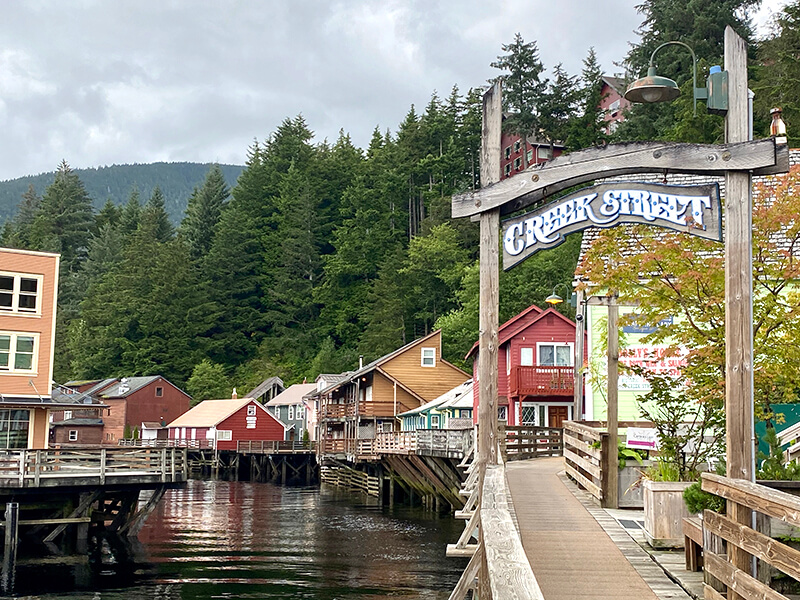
{"x": 293, "y": 394}
{"x": 459, "y": 397}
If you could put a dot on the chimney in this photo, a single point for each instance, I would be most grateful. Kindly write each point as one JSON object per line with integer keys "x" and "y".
{"x": 360, "y": 361}
{"x": 233, "y": 394}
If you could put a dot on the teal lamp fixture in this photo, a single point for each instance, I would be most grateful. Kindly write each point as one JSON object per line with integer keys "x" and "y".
{"x": 655, "y": 88}
{"x": 555, "y": 298}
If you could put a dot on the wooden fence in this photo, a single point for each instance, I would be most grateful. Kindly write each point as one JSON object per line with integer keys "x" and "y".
{"x": 586, "y": 457}
{"x": 747, "y": 541}
{"x": 168, "y": 443}
{"x": 276, "y": 447}
{"x": 445, "y": 443}
{"x": 49, "y": 468}
{"x": 498, "y": 563}
{"x": 531, "y": 442}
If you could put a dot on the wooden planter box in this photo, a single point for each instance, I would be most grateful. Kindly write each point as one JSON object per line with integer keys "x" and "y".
{"x": 629, "y": 492}
{"x": 664, "y": 510}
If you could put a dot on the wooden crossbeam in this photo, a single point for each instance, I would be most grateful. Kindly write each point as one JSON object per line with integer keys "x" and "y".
{"x": 563, "y": 172}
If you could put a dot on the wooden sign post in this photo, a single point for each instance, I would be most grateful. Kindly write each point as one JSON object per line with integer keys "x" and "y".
{"x": 489, "y": 303}
{"x": 738, "y": 296}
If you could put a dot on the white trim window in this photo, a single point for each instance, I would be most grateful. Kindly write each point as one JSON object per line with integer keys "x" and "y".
{"x": 19, "y": 293}
{"x": 224, "y": 435}
{"x": 291, "y": 412}
{"x": 554, "y": 355}
{"x": 526, "y": 357}
{"x": 73, "y": 435}
{"x": 428, "y": 357}
{"x": 434, "y": 421}
{"x": 67, "y": 415}
{"x": 251, "y": 410}
{"x": 18, "y": 352}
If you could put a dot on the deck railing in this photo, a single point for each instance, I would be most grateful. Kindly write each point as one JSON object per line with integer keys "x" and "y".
{"x": 169, "y": 443}
{"x": 447, "y": 443}
{"x": 542, "y": 381}
{"x": 47, "y": 468}
{"x": 275, "y": 447}
{"x": 531, "y": 442}
{"x": 744, "y": 542}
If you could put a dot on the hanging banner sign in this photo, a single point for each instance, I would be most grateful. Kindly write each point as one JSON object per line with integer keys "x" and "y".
{"x": 691, "y": 209}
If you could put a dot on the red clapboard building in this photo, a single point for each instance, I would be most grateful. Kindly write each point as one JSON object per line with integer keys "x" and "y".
{"x": 535, "y": 364}
{"x": 221, "y": 424}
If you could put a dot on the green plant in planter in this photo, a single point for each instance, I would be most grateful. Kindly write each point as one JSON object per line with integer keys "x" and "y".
{"x": 625, "y": 454}
{"x": 697, "y": 500}
{"x": 689, "y": 433}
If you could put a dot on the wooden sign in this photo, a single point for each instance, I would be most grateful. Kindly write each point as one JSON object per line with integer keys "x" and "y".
{"x": 691, "y": 209}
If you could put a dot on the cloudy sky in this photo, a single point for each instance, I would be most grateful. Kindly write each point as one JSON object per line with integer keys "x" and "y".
{"x": 100, "y": 82}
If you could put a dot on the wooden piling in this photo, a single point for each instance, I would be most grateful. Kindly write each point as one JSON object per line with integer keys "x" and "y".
{"x": 10, "y": 547}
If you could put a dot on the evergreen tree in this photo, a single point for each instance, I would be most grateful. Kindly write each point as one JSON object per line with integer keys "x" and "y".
{"x": 558, "y": 105}
{"x": 523, "y": 88}
{"x": 203, "y": 213}
{"x": 64, "y": 222}
{"x": 17, "y": 232}
{"x": 131, "y": 213}
{"x": 587, "y": 129}
{"x": 154, "y": 218}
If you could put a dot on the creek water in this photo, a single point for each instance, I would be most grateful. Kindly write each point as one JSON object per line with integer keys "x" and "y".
{"x": 241, "y": 540}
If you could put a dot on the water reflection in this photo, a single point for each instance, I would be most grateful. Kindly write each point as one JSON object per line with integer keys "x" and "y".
{"x": 217, "y": 539}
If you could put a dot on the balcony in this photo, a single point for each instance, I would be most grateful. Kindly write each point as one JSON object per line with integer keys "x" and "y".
{"x": 542, "y": 381}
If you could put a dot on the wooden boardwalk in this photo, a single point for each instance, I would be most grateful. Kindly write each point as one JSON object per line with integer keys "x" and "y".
{"x": 570, "y": 553}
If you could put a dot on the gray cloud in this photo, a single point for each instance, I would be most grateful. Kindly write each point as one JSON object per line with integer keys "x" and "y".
{"x": 98, "y": 82}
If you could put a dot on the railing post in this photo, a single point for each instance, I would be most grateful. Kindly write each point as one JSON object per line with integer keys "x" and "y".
{"x": 37, "y": 469}
{"x": 606, "y": 464}
{"x": 22, "y": 459}
{"x": 163, "y": 464}
{"x": 103, "y": 466}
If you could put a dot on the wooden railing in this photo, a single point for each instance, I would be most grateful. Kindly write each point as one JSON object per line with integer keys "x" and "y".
{"x": 45, "y": 468}
{"x": 169, "y": 443}
{"x": 744, "y": 542}
{"x": 447, "y": 443}
{"x": 586, "y": 457}
{"x": 396, "y": 442}
{"x": 333, "y": 411}
{"x": 336, "y": 446}
{"x": 498, "y": 561}
{"x": 531, "y": 442}
{"x": 276, "y": 447}
{"x": 542, "y": 381}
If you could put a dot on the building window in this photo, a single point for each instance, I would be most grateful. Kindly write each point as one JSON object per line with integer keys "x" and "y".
{"x": 67, "y": 415}
{"x": 529, "y": 154}
{"x": 18, "y": 352}
{"x": 251, "y": 410}
{"x": 555, "y": 355}
{"x": 159, "y": 392}
{"x": 526, "y": 357}
{"x": 508, "y": 152}
{"x": 421, "y": 422}
{"x": 544, "y": 153}
{"x": 517, "y": 145}
{"x": 73, "y": 435}
{"x": 291, "y": 412}
{"x": 517, "y": 163}
{"x": 108, "y": 412}
{"x": 224, "y": 435}
{"x": 508, "y": 169}
{"x": 502, "y": 413}
{"x": 14, "y": 428}
{"x": 434, "y": 421}
{"x": 20, "y": 293}
{"x": 429, "y": 357}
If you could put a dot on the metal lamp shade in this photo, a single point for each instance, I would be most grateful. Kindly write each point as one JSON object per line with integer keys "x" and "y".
{"x": 652, "y": 88}
{"x": 554, "y": 299}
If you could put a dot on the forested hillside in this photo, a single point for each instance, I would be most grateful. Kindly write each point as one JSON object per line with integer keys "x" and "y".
{"x": 115, "y": 183}
{"x": 323, "y": 252}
